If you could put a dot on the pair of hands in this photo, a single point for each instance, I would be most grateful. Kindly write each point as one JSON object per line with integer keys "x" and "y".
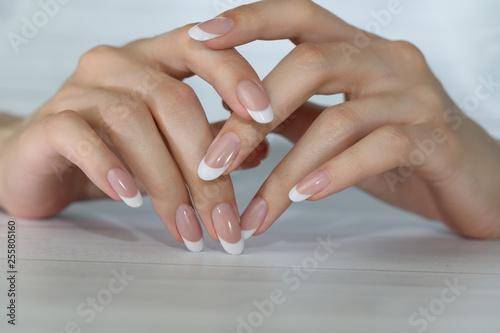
{"x": 125, "y": 124}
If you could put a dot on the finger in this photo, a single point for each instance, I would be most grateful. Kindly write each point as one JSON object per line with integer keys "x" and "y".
{"x": 227, "y": 71}
{"x": 74, "y": 142}
{"x": 188, "y": 134}
{"x": 256, "y": 157}
{"x": 299, "y": 122}
{"x": 308, "y": 70}
{"x": 294, "y": 126}
{"x": 180, "y": 118}
{"x": 300, "y": 21}
{"x": 334, "y": 131}
{"x": 382, "y": 150}
{"x": 132, "y": 129}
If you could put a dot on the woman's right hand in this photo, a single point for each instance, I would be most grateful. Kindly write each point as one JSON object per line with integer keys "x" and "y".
{"x": 125, "y": 116}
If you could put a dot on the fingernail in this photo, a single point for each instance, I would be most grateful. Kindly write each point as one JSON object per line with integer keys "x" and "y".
{"x": 252, "y": 217}
{"x": 211, "y": 29}
{"x": 219, "y": 157}
{"x": 228, "y": 230}
{"x": 125, "y": 187}
{"x": 189, "y": 228}
{"x": 309, "y": 186}
{"x": 255, "y": 101}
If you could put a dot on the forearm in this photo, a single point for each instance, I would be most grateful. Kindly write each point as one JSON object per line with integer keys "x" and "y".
{"x": 8, "y": 126}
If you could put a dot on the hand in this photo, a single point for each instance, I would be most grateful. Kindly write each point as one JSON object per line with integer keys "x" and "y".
{"x": 125, "y": 116}
{"x": 398, "y": 136}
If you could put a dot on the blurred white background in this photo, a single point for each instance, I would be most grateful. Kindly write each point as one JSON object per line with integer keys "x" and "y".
{"x": 461, "y": 40}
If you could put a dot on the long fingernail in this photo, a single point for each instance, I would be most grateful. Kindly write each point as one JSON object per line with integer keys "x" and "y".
{"x": 227, "y": 226}
{"x": 252, "y": 217}
{"x": 125, "y": 187}
{"x": 189, "y": 228}
{"x": 309, "y": 186}
{"x": 219, "y": 157}
{"x": 211, "y": 29}
{"x": 255, "y": 101}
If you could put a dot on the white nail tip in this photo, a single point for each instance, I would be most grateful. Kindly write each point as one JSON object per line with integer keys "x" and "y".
{"x": 262, "y": 117}
{"x": 231, "y": 248}
{"x": 207, "y": 173}
{"x": 134, "y": 202}
{"x": 197, "y": 34}
{"x": 296, "y": 196}
{"x": 193, "y": 246}
{"x": 246, "y": 234}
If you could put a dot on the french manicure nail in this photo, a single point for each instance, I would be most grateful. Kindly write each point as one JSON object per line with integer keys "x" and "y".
{"x": 255, "y": 101}
{"x": 227, "y": 226}
{"x": 125, "y": 187}
{"x": 252, "y": 217}
{"x": 211, "y": 29}
{"x": 309, "y": 186}
{"x": 219, "y": 157}
{"x": 189, "y": 228}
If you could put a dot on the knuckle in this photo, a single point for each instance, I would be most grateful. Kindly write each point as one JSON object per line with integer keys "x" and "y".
{"x": 395, "y": 137}
{"x": 339, "y": 122}
{"x": 174, "y": 98}
{"x": 310, "y": 57}
{"x": 125, "y": 114}
{"x": 60, "y": 120}
{"x": 407, "y": 52}
{"x": 178, "y": 93}
{"x": 95, "y": 56}
{"x": 304, "y": 4}
{"x": 430, "y": 99}
{"x": 249, "y": 15}
{"x": 306, "y": 8}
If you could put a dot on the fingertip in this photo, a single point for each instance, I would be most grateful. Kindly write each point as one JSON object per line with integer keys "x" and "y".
{"x": 211, "y": 29}
{"x": 134, "y": 202}
{"x": 263, "y": 117}
{"x": 255, "y": 100}
{"x": 194, "y": 246}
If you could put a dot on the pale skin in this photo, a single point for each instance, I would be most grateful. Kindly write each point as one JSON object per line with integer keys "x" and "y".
{"x": 393, "y": 102}
{"x": 124, "y": 108}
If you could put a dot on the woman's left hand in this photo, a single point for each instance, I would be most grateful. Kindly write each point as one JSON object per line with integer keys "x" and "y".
{"x": 398, "y": 136}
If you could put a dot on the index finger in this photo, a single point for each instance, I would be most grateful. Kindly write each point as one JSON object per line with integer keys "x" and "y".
{"x": 300, "y": 21}
{"x": 232, "y": 77}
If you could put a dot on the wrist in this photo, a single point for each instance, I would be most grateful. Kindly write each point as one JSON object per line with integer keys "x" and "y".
{"x": 9, "y": 124}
